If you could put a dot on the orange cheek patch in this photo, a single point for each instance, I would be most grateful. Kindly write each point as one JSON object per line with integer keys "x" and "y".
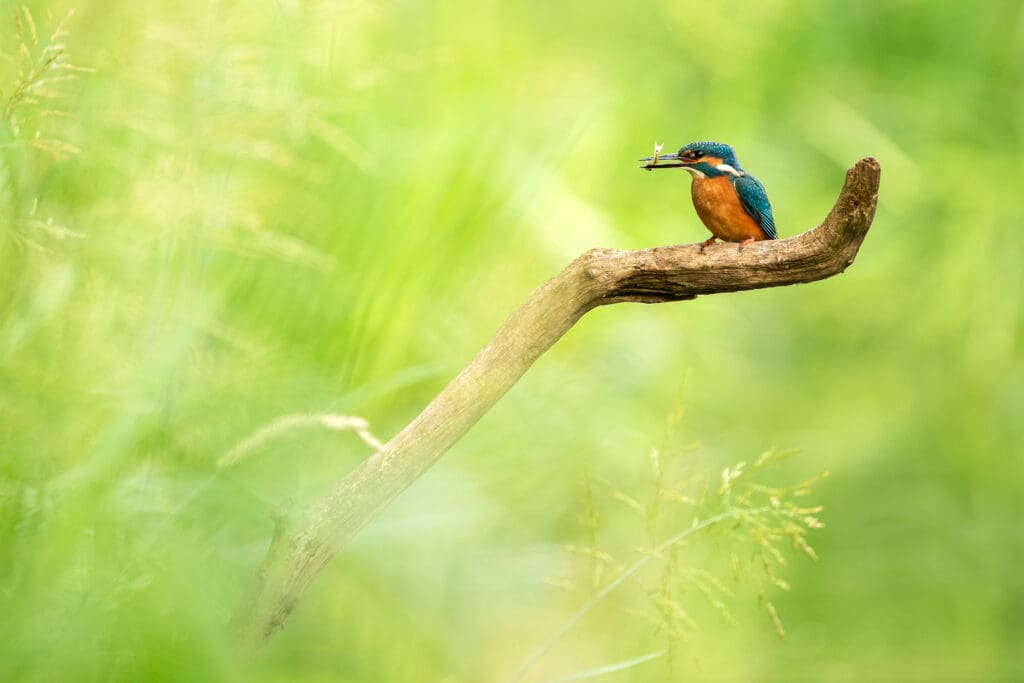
{"x": 713, "y": 161}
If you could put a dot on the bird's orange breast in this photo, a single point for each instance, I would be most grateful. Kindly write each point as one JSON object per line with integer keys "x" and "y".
{"x": 720, "y": 210}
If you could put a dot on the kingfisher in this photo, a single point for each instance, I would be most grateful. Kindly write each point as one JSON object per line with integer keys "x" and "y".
{"x": 732, "y": 203}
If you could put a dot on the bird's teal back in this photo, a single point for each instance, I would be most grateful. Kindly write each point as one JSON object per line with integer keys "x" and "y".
{"x": 755, "y": 202}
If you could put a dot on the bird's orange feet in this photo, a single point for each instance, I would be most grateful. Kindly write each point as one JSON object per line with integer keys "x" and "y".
{"x": 707, "y": 243}
{"x": 745, "y": 243}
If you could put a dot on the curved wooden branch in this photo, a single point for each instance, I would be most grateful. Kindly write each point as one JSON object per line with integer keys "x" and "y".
{"x": 303, "y": 544}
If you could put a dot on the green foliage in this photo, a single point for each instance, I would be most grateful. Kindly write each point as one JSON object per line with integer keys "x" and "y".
{"x": 741, "y": 518}
{"x": 37, "y": 71}
{"x": 318, "y": 208}
{"x": 42, "y": 67}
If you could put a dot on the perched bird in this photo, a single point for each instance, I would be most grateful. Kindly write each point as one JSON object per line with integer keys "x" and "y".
{"x": 730, "y": 202}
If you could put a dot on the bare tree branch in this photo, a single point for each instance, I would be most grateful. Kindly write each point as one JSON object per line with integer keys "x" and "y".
{"x": 303, "y": 544}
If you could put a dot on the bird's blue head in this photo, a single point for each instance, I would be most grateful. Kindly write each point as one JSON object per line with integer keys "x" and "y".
{"x": 701, "y": 159}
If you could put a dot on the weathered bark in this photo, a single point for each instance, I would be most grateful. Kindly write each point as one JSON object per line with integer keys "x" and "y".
{"x": 304, "y": 543}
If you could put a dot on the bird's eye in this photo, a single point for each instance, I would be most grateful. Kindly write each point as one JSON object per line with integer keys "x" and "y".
{"x": 696, "y": 154}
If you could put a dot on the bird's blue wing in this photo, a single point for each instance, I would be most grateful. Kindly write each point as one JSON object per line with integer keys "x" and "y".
{"x": 755, "y": 202}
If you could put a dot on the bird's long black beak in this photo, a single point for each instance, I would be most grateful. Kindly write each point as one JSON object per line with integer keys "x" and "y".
{"x": 662, "y": 161}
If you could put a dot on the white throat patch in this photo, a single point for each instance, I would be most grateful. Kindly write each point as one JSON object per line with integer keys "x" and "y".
{"x": 726, "y": 168}
{"x": 695, "y": 173}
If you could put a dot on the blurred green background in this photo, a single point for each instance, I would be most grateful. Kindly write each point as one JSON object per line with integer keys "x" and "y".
{"x": 243, "y": 210}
